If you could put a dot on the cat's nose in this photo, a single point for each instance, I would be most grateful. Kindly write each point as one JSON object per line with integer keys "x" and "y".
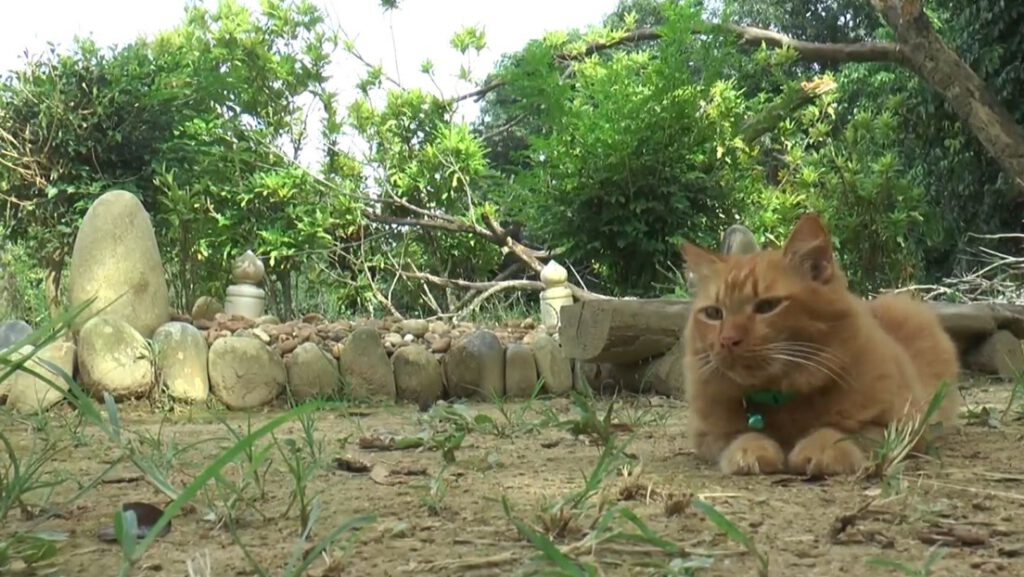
{"x": 731, "y": 341}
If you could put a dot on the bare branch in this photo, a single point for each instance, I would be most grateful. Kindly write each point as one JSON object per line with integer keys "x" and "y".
{"x": 819, "y": 52}
{"x": 534, "y": 285}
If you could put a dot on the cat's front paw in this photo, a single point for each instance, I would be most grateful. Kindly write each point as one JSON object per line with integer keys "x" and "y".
{"x": 752, "y": 454}
{"x": 826, "y": 452}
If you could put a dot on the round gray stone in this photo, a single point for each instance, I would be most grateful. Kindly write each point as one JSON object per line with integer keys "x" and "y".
{"x": 245, "y": 373}
{"x": 475, "y": 366}
{"x": 312, "y": 373}
{"x": 114, "y": 358}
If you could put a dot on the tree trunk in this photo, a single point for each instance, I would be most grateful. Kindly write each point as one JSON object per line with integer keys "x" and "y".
{"x": 926, "y": 54}
{"x": 54, "y": 269}
{"x": 284, "y": 280}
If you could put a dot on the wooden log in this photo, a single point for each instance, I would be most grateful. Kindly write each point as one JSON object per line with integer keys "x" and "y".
{"x": 627, "y": 331}
{"x": 621, "y": 331}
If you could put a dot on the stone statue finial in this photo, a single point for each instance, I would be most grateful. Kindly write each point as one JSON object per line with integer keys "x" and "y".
{"x": 555, "y": 295}
{"x": 247, "y": 269}
{"x": 245, "y": 298}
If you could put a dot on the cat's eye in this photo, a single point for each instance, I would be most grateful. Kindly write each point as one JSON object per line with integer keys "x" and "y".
{"x": 712, "y": 313}
{"x": 767, "y": 306}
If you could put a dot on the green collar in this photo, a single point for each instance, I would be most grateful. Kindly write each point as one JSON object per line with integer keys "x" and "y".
{"x": 765, "y": 398}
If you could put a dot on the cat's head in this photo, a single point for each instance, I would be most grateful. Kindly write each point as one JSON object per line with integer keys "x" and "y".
{"x": 761, "y": 314}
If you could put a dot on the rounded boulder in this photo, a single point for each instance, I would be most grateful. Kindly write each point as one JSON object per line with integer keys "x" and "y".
{"x": 365, "y": 366}
{"x": 114, "y": 358}
{"x": 245, "y": 373}
{"x": 312, "y": 373}
{"x": 475, "y": 366}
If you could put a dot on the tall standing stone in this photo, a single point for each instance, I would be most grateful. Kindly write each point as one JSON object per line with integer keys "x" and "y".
{"x": 365, "y": 366}
{"x": 182, "y": 358}
{"x": 520, "y": 371}
{"x": 117, "y": 261}
{"x": 418, "y": 376}
{"x": 552, "y": 365}
{"x": 475, "y": 366}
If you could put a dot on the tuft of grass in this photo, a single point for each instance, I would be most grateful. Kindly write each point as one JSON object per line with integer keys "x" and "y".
{"x": 517, "y": 421}
{"x": 935, "y": 554}
{"x": 23, "y": 476}
{"x": 734, "y": 534}
{"x": 899, "y": 440}
{"x": 561, "y": 517}
{"x": 589, "y": 422}
{"x": 437, "y": 490}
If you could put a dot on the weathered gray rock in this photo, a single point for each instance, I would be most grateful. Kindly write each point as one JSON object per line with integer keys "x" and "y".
{"x": 520, "y": 371}
{"x": 415, "y": 327}
{"x": 1000, "y": 354}
{"x": 440, "y": 328}
{"x": 12, "y": 332}
{"x": 116, "y": 260}
{"x": 365, "y": 367}
{"x": 552, "y": 365}
{"x": 312, "y": 373}
{"x": 475, "y": 366}
{"x": 206, "y": 308}
{"x": 392, "y": 341}
{"x": 245, "y": 373}
{"x": 267, "y": 320}
{"x": 114, "y": 358}
{"x": 27, "y": 393}
{"x": 418, "y": 376}
{"x": 738, "y": 239}
{"x": 182, "y": 362}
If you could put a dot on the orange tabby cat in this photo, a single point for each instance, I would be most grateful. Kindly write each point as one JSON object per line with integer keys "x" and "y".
{"x": 784, "y": 366}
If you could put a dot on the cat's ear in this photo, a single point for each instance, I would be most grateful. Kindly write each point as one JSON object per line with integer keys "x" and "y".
{"x": 810, "y": 246}
{"x": 698, "y": 261}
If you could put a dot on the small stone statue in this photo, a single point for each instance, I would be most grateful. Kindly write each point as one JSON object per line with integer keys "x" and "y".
{"x": 555, "y": 295}
{"x": 245, "y": 298}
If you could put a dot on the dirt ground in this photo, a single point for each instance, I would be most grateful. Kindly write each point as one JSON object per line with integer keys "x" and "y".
{"x": 969, "y": 500}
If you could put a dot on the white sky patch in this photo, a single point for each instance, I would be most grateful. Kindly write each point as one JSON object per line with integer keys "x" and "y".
{"x": 399, "y": 40}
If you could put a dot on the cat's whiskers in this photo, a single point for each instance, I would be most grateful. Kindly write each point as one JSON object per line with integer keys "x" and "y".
{"x": 815, "y": 348}
{"x": 806, "y": 350}
{"x": 706, "y": 363}
{"x": 811, "y": 361}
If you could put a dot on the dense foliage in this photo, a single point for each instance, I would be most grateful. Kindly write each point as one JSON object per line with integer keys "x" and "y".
{"x": 226, "y": 129}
